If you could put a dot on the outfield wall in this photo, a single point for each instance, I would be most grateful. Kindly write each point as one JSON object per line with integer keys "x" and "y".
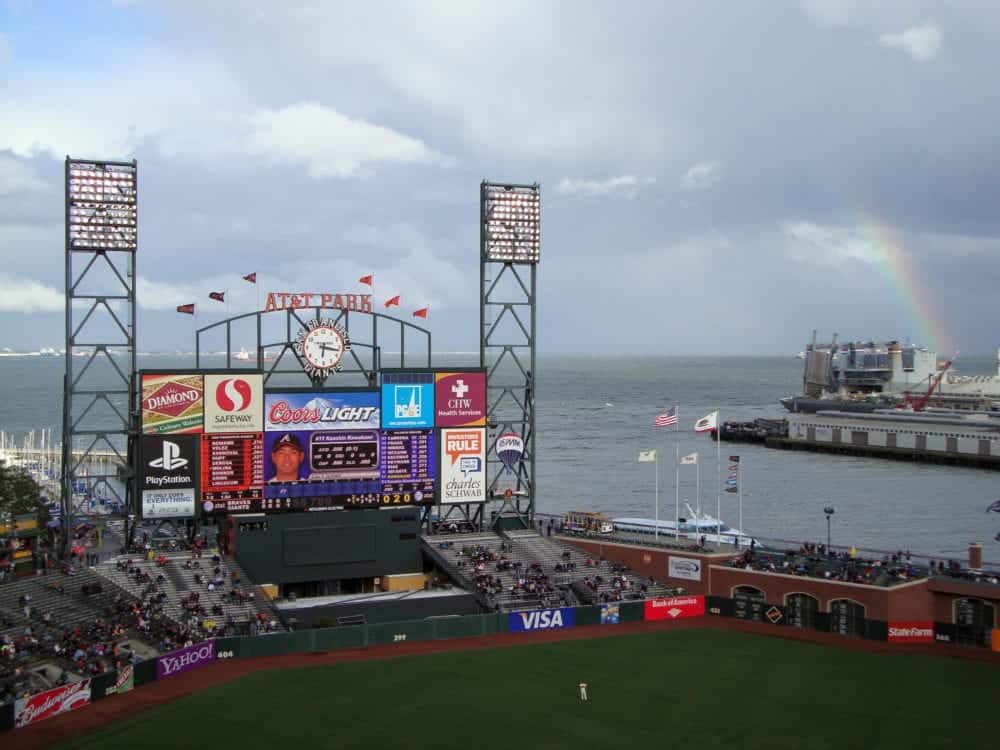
{"x": 165, "y": 666}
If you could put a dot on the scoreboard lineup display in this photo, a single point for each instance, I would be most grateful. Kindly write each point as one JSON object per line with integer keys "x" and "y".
{"x": 297, "y": 450}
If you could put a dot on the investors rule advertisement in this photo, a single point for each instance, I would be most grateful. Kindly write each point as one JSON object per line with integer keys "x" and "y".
{"x": 463, "y": 465}
{"x": 460, "y": 399}
{"x": 172, "y": 404}
{"x": 232, "y": 472}
{"x": 169, "y": 475}
{"x": 234, "y": 403}
{"x": 674, "y": 608}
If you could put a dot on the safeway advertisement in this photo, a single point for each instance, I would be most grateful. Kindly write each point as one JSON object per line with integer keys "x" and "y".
{"x": 674, "y": 608}
{"x": 911, "y": 632}
{"x": 234, "y": 403}
{"x": 50, "y": 703}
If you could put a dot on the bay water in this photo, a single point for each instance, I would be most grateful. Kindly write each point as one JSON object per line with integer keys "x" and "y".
{"x": 595, "y": 413}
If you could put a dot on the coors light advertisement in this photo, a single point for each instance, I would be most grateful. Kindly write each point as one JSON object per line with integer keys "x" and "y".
{"x": 172, "y": 404}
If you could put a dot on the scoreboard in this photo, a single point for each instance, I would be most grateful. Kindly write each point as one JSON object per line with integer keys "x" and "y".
{"x": 232, "y": 472}
{"x": 407, "y": 470}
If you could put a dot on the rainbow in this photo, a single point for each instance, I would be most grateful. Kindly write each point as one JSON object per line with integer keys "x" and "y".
{"x": 898, "y": 269}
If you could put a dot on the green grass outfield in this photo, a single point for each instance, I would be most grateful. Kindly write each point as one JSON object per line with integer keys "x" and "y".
{"x": 682, "y": 689}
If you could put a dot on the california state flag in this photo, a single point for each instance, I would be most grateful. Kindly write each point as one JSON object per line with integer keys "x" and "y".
{"x": 707, "y": 423}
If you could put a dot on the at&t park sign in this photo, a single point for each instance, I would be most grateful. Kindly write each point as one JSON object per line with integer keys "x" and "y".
{"x": 296, "y": 300}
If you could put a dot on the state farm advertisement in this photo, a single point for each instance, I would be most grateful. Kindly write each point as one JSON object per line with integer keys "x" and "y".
{"x": 234, "y": 403}
{"x": 674, "y": 608}
{"x": 51, "y": 703}
{"x": 911, "y": 632}
{"x": 186, "y": 659}
{"x": 172, "y": 404}
{"x": 463, "y": 466}
{"x": 460, "y": 399}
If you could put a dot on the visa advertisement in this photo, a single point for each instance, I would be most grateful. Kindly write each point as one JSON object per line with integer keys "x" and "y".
{"x": 172, "y": 404}
{"x": 460, "y": 399}
{"x": 407, "y": 400}
{"x": 463, "y": 465}
{"x": 234, "y": 403}
{"x": 540, "y": 619}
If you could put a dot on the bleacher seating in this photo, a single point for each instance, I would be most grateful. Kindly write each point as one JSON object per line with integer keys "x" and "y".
{"x": 565, "y": 576}
{"x": 178, "y": 582}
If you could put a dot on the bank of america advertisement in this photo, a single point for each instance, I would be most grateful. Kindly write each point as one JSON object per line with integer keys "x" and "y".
{"x": 463, "y": 465}
{"x": 234, "y": 403}
{"x": 172, "y": 404}
{"x": 169, "y": 476}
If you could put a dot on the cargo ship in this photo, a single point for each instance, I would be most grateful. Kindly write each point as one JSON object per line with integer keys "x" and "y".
{"x": 863, "y": 377}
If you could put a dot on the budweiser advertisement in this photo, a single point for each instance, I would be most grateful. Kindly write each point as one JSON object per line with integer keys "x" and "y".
{"x": 185, "y": 659}
{"x": 674, "y": 608}
{"x": 51, "y": 703}
{"x": 172, "y": 403}
{"x": 911, "y": 632}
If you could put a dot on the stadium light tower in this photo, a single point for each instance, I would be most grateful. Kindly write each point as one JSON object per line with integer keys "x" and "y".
{"x": 510, "y": 249}
{"x": 99, "y": 388}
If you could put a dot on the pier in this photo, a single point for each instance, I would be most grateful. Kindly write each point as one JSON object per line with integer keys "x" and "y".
{"x": 947, "y": 458}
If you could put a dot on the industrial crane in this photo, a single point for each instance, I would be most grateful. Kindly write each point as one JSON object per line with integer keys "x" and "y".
{"x": 918, "y": 405}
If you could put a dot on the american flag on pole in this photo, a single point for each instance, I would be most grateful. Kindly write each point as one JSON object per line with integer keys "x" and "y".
{"x": 666, "y": 419}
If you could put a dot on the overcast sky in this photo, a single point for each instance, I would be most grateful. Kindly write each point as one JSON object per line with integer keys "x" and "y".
{"x": 717, "y": 177}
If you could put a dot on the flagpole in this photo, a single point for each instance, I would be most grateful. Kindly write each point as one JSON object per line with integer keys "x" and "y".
{"x": 697, "y": 484}
{"x": 677, "y": 475}
{"x": 718, "y": 475}
{"x": 739, "y": 490}
{"x": 656, "y": 494}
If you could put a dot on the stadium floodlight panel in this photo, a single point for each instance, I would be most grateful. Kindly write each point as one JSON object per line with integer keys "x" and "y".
{"x": 101, "y": 211}
{"x": 513, "y": 225}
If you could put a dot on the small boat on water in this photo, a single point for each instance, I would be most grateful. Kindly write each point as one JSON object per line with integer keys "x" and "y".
{"x": 695, "y": 527}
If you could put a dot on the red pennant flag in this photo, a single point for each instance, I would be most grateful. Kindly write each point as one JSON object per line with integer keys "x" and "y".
{"x": 421, "y": 313}
{"x": 189, "y": 309}
{"x": 251, "y": 277}
{"x": 369, "y": 279}
{"x": 217, "y": 296}
{"x": 393, "y": 301}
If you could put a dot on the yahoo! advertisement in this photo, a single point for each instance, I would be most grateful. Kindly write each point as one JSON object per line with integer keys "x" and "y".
{"x": 185, "y": 659}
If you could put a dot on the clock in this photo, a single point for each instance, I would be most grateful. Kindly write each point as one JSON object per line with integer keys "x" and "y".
{"x": 321, "y": 343}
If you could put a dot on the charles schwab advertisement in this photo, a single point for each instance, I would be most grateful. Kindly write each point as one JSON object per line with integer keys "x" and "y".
{"x": 463, "y": 465}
